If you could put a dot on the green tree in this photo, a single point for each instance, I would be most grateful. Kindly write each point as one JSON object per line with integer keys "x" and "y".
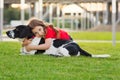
{"x": 12, "y": 14}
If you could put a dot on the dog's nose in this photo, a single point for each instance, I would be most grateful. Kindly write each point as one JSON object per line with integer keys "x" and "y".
{"x": 10, "y": 34}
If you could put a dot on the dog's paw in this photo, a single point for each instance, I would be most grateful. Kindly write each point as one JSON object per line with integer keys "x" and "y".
{"x": 22, "y": 54}
{"x": 55, "y": 55}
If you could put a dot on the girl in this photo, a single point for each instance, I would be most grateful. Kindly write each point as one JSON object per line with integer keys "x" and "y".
{"x": 47, "y": 31}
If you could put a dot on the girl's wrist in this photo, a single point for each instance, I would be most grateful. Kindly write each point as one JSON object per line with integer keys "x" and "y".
{"x": 27, "y": 48}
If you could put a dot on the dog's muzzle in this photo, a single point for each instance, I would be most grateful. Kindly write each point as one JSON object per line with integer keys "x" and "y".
{"x": 11, "y": 34}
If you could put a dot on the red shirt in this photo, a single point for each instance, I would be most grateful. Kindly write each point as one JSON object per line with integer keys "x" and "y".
{"x": 50, "y": 33}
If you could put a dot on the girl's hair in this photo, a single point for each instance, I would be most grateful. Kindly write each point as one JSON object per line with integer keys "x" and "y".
{"x": 36, "y": 22}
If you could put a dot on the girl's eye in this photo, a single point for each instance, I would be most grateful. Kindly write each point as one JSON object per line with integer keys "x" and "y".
{"x": 39, "y": 29}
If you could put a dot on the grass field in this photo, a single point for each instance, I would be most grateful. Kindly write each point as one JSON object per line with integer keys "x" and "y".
{"x": 42, "y": 67}
{"x": 94, "y": 35}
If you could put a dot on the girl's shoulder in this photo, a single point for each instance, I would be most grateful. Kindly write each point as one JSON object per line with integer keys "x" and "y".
{"x": 49, "y": 28}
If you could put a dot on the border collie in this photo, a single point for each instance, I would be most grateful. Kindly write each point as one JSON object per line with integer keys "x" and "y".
{"x": 58, "y": 47}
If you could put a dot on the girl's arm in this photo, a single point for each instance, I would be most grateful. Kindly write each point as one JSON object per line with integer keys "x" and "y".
{"x": 44, "y": 46}
{"x": 26, "y": 42}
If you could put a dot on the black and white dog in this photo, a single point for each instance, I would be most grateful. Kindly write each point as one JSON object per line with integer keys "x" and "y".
{"x": 57, "y": 48}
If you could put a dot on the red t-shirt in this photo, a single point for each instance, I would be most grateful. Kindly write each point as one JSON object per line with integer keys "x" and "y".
{"x": 50, "y": 33}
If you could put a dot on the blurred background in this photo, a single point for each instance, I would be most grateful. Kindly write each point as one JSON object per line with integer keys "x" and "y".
{"x": 71, "y": 15}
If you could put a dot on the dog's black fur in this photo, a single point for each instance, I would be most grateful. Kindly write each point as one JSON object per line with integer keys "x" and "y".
{"x": 71, "y": 46}
{"x": 23, "y": 31}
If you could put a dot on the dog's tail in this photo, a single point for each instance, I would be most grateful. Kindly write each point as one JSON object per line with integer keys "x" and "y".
{"x": 85, "y": 53}
{"x": 101, "y": 56}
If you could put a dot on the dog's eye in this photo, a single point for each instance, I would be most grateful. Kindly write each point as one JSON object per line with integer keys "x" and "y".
{"x": 16, "y": 29}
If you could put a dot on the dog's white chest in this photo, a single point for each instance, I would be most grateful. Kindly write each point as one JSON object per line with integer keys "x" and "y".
{"x": 35, "y": 41}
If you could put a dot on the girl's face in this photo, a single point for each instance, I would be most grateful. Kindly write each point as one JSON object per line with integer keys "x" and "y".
{"x": 38, "y": 31}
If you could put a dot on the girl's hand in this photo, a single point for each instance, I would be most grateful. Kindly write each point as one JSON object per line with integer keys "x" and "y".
{"x": 44, "y": 46}
{"x": 26, "y": 42}
{"x": 28, "y": 47}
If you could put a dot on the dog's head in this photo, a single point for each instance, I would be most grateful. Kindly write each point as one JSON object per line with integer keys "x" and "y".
{"x": 20, "y": 31}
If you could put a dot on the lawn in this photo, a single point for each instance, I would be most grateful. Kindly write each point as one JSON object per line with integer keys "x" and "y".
{"x": 94, "y": 35}
{"x": 41, "y": 67}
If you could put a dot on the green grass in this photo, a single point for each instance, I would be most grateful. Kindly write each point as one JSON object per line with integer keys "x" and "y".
{"x": 94, "y": 35}
{"x": 41, "y": 67}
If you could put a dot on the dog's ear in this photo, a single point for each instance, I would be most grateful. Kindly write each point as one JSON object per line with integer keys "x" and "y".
{"x": 26, "y": 33}
{"x": 30, "y": 34}
{"x": 23, "y": 34}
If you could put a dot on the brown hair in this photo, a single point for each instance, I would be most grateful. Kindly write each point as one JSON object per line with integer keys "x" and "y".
{"x": 36, "y": 22}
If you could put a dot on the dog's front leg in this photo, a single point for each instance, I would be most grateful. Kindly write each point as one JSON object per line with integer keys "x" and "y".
{"x": 35, "y": 41}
